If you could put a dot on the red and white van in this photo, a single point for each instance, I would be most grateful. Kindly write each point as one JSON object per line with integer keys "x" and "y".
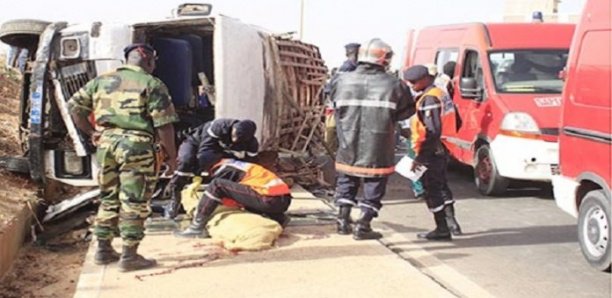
{"x": 585, "y": 144}
{"x": 507, "y": 91}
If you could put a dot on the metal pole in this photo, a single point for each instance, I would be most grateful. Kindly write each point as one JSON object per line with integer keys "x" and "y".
{"x": 301, "y": 19}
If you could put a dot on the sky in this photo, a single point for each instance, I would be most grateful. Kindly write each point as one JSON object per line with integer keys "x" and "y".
{"x": 329, "y": 24}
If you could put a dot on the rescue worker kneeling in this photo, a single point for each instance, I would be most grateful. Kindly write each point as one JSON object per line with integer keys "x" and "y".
{"x": 207, "y": 145}
{"x": 435, "y": 118}
{"x": 243, "y": 184}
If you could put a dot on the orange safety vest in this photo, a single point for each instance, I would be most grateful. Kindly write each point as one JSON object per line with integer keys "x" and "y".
{"x": 260, "y": 179}
{"x": 448, "y": 119}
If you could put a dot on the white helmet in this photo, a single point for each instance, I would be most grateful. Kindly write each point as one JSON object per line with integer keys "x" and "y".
{"x": 375, "y": 51}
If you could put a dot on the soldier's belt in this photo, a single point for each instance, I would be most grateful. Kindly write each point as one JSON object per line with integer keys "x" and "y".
{"x": 123, "y": 132}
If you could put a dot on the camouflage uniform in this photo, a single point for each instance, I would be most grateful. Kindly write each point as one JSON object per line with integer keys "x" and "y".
{"x": 128, "y": 105}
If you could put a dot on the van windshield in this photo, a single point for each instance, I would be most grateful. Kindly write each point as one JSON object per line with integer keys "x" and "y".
{"x": 528, "y": 71}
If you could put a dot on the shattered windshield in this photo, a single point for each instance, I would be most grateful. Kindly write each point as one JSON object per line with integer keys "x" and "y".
{"x": 528, "y": 71}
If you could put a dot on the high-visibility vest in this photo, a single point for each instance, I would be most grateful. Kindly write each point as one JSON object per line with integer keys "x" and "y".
{"x": 260, "y": 179}
{"x": 448, "y": 119}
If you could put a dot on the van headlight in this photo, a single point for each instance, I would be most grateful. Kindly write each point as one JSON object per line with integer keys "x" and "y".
{"x": 520, "y": 125}
{"x": 70, "y": 47}
{"x": 73, "y": 164}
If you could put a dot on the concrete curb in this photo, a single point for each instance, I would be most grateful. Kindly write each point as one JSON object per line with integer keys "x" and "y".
{"x": 431, "y": 266}
{"x": 12, "y": 237}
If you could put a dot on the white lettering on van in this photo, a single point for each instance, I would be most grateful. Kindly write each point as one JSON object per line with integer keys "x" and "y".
{"x": 547, "y": 102}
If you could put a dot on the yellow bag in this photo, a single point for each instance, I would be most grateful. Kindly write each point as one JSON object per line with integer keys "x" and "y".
{"x": 243, "y": 230}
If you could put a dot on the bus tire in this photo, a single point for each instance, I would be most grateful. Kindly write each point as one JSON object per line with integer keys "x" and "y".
{"x": 22, "y": 33}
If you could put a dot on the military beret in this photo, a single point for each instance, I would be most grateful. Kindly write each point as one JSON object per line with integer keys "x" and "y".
{"x": 134, "y": 46}
{"x": 415, "y": 73}
{"x": 352, "y": 46}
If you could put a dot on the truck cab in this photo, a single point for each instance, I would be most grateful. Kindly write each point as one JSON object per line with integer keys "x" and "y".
{"x": 214, "y": 66}
{"x": 582, "y": 186}
{"x": 507, "y": 92}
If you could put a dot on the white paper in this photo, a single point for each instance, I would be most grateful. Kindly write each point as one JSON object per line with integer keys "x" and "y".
{"x": 403, "y": 168}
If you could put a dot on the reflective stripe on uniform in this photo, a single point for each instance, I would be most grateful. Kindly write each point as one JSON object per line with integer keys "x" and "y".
{"x": 365, "y": 171}
{"x": 211, "y": 196}
{"x": 237, "y": 154}
{"x": 344, "y": 202}
{"x": 183, "y": 174}
{"x": 366, "y": 103}
{"x": 211, "y": 133}
{"x": 369, "y": 207}
{"x": 437, "y": 209}
{"x": 430, "y": 107}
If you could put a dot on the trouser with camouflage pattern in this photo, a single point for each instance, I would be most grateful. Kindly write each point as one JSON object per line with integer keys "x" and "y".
{"x": 127, "y": 180}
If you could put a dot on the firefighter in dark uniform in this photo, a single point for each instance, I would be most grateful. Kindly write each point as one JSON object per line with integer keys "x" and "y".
{"x": 207, "y": 145}
{"x": 435, "y": 118}
{"x": 369, "y": 101}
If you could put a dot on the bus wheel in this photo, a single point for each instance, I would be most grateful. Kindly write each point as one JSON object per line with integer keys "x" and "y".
{"x": 22, "y": 33}
{"x": 487, "y": 178}
{"x": 594, "y": 229}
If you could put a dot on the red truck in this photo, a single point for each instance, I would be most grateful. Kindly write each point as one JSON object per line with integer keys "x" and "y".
{"x": 582, "y": 187}
{"x": 508, "y": 94}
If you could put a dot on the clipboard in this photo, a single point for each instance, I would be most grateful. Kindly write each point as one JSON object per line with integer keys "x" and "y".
{"x": 403, "y": 168}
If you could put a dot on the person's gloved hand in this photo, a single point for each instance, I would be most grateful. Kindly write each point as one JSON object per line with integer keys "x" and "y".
{"x": 195, "y": 184}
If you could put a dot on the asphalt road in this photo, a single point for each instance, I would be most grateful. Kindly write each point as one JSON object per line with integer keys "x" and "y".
{"x": 519, "y": 245}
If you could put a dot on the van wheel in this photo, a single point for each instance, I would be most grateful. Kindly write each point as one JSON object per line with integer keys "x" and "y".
{"x": 22, "y": 33}
{"x": 594, "y": 229}
{"x": 486, "y": 176}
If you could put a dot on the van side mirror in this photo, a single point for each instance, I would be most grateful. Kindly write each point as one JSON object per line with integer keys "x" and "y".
{"x": 562, "y": 74}
{"x": 469, "y": 89}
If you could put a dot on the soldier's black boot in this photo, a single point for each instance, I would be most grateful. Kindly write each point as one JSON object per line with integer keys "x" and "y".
{"x": 343, "y": 221}
{"x": 176, "y": 187}
{"x": 105, "y": 254}
{"x": 197, "y": 228}
{"x": 441, "y": 232}
{"x": 363, "y": 230}
{"x": 453, "y": 225}
{"x": 131, "y": 260}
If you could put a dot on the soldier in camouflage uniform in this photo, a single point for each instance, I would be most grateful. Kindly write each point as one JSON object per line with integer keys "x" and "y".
{"x": 131, "y": 108}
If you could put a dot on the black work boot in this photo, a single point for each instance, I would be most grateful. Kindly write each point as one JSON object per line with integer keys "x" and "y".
{"x": 343, "y": 221}
{"x": 131, "y": 260}
{"x": 197, "y": 228}
{"x": 105, "y": 254}
{"x": 176, "y": 187}
{"x": 453, "y": 225}
{"x": 441, "y": 232}
{"x": 363, "y": 230}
